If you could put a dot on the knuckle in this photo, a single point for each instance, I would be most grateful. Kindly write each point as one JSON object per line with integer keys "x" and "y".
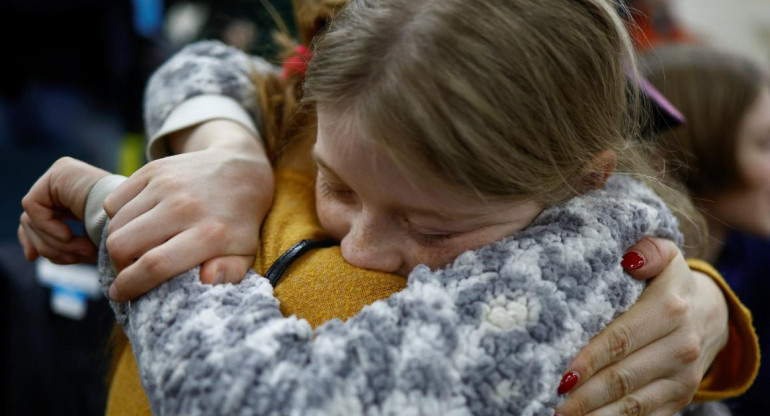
{"x": 619, "y": 342}
{"x": 27, "y": 201}
{"x": 150, "y": 167}
{"x": 631, "y": 406}
{"x": 619, "y": 382}
{"x": 686, "y": 399}
{"x": 63, "y": 161}
{"x": 111, "y": 227}
{"x": 689, "y": 381}
{"x": 154, "y": 263}
{"x": 676, "y": 306}
{"x": 576, "y": 405}
{"x": 216, "y": 230}
{"x": 117, "y": 249}
{"x": 186, "y": 204}
{"x": 113, "y": 245}
{"x": 689, "y": 349}
{"x": 120, "y": 284}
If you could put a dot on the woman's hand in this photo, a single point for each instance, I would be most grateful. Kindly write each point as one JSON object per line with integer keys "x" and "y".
{"x": 60, "y": 194}
{"x": 651, "y": 359}
{"x": 203, "y": 207}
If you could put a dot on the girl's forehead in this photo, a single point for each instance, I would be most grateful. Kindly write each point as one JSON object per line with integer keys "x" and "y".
{"x": 348, "y": 160}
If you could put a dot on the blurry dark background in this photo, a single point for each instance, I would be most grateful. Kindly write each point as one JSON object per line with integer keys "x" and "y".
{"x": 73, "y": 78}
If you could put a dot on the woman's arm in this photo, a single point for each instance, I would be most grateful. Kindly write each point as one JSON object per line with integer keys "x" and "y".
{"x": 202, "y": 103}
{"x": 492, "y": 333}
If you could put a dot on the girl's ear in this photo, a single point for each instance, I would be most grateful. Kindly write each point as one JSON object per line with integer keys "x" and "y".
{"x": 598, "y": 170}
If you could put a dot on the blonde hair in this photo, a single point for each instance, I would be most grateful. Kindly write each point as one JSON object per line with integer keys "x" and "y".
{"x": 501, "y": 97}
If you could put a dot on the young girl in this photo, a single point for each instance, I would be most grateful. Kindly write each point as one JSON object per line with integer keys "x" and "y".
{"x": 462, "y": 338}
{"x": 724, "y": 162}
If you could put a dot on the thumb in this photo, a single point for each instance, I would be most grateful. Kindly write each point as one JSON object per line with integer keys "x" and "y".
{"x": 226, "y": 269}
{"x": 649, "y": 257}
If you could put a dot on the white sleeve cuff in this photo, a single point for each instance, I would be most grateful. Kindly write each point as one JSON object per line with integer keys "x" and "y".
{"x": 95, "y": 216}
{"x": 194, "y": 111}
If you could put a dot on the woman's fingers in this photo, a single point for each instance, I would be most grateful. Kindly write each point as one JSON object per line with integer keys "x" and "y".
{"x": 76, "y": 250}
{"x": 649, "y": 257}
{"x": 41, "y": 208}
{"x": 623, "y": 336}
{"x": 30, "y": 253}
{"x": 613, "y": 383}
{"x": 151, "y": 229}
{"x": 131, "y": 210}
{"x": 158, "y": 264}
{"x": 661, "y": 397}
{"x": 227, "y": 269}
{"x": 128, "y": 190}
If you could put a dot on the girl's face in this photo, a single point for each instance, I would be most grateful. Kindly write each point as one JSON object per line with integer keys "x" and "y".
{"x": 747, "y": 207}
{"x": 391, "y": 222}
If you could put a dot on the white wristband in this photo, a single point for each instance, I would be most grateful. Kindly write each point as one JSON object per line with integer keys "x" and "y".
{"x": 95, "y": 216}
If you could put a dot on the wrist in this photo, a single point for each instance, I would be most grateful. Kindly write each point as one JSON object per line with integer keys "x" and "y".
{"x": 219, "y": 134}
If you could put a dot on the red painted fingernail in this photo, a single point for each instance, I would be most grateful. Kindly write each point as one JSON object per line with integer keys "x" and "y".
{"x": 568, "y": 382}
{"x": 632, "y": 261}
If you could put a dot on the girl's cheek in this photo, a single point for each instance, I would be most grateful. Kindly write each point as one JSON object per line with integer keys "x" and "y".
{"x": 334, "y": 218}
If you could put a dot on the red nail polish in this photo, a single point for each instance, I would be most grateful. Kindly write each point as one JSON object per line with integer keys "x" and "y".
{"x": 568, "y": 382}
{"x": 632, "y": 261}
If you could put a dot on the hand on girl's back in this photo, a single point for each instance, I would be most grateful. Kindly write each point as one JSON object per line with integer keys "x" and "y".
{"x": 199, "y": 208}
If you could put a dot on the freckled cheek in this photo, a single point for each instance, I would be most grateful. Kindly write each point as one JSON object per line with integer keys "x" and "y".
{"x": 434, "y": 258}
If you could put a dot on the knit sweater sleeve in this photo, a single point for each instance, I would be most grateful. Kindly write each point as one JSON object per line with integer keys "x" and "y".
{"x": 489, "y": 334}
{"x": 204, "y": 81}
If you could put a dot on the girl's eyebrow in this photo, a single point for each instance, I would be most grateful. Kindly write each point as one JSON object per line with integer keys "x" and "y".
{"x": 455, "y": 216}
{"x": 321, "y": 163}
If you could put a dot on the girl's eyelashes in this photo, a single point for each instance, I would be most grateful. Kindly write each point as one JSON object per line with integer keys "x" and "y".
{"x": 342, "y": 195}
{"x": 430, "y": 240}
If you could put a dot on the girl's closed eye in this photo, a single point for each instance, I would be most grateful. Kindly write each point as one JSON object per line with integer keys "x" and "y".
{"x": 430, "y": 238}
{"x": 335, "y": 192}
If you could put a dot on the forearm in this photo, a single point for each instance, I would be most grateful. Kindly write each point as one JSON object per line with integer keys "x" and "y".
{"x": 203, "y": 82}
{"x": 217, "y": 134}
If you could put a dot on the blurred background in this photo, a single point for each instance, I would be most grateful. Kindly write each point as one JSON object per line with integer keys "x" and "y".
{"x": 72, "y": 85}
{"x": 74, "y": 75}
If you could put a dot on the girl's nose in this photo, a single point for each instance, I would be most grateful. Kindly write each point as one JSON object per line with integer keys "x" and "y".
{"x": 369, "y": 246}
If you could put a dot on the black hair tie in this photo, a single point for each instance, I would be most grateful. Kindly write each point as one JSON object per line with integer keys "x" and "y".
{"x": 286, "y": 259}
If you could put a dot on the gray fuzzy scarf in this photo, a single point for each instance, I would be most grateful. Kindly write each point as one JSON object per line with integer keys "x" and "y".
{"x": 491, "y": 334}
